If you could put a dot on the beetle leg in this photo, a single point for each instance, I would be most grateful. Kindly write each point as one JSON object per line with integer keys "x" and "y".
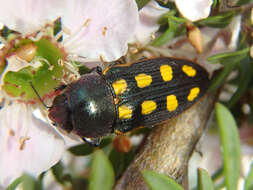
{"x": 61, "y": 87}
{"x": 96, "y": 69}
{"x": 92, "y": 141}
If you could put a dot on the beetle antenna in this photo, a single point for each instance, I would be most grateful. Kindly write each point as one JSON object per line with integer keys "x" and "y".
{"x": 36, "y": 92}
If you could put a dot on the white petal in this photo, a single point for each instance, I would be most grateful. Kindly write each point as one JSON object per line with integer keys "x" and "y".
{"x": 147, "y": 26}
{"x": 99, "y": 28}
{"x": 43, "y": 148}
{"x": 194, "y": 10}
{"x": 28, "y": 16}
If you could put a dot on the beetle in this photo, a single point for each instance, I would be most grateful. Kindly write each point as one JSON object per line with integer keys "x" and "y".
{"x": 124, "y": 97}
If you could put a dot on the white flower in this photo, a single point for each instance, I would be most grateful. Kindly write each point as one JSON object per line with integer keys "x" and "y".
{"x": 95, "y": 28}
{"x": 149, "y": 16}
{"x": 24, "y": 145}
{"x": 91, "y": 29}
{"x": 194, "y": 10}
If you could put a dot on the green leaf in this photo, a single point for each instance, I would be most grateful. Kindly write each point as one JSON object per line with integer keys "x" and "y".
{"x": 81, "y": 150}
{"x": 246, "y": 70}
{"x": 218, "y": 21}
{"x": 230, "y": 60}
{"x": 79, "y": 183}
{"x": 175, "y": 28}
{"x": 248, "y": 185}
{"x": 86, "y": 149}
{"x": 30, "y": 183}
{"x": 58, "y": 172}
{"x": 230, "y": 146}
{"x": 15, "y": 183}
{"x": 218, "y": 174}
{"x": 117, "y": 160}
{"x": 233, "y": 56}
{"x": 243, "y": 2}
{"x": 101, "y": 175}
{"x": 158, "y": 181}
{"x": 141, "y": 3}
{"x": 204, "y": 180}
{"x": 220, "y": 79}
{"x": 215, "y": 3}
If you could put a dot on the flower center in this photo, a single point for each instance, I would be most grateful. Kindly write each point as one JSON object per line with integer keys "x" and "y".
{"x": 31, "y": 62}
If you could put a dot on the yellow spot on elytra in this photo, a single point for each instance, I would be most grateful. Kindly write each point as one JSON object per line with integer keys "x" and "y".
{"x": 104, "y": 31}
{"x": 166, "y": 72}
{"x": 119, "y": 86}
{"x": 143, "y": 80}
{"x": 172, "y": 103}
{"x": 148, "y": 107}
{"x": 189, "y": 71}
{"x": 125, "y": 112}
{"x": 193, "y": 94}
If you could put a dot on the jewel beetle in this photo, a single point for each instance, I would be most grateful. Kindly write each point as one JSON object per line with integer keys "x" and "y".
{"x": 124, "y": 97}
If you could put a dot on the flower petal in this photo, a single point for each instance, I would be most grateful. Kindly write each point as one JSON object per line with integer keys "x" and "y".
{"x": 27, "y": 144}
{"x": 194, "y": 10}
{"x": 99, "y": 28}
{"x": 28, "y": 16}
{"x": 148, "y": 25}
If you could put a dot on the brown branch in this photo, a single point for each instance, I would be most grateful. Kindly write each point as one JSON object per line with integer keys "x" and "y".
{"x": 168, "y": 147}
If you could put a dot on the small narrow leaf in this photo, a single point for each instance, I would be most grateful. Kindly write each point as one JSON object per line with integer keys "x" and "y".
{"x": 86, "y": 149}
{"x": 230, "y": 146}
{"x": 141, "y": 3}
{"x": 249, "y": 180}
{"x": 204, "y": 180}
{"x": 218, "y": 21}
{"x": 117, "y": 160}
{"x": 101, "y": 175}
{"x": 15, "y": 183}
{"x": 158, "y": 181}
{"x": 59, "y": 174}
{"x": 30, "y": 183}
{"x": 243, "y": 81}
{"x": 220, "y": 79}
{"x": 175, "y": 27}
{"x": 81, "y": 150}
{"x": 240, "y": 54}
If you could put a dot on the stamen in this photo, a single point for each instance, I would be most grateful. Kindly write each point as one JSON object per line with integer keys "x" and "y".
{"x": 104, "y": 31}
{"x": 61, "y": 62}
{"x": 74, "y": 36}
{"x": 101, "y": 57}
{"x": 87, "y": 22}
{"x": 66, "y": 30}
{"x": 58, "y": 36}
{"x": 22, "y": 142}
{"x": 11, "y": 132}
{"x": 38, "y": 36}
{"x": 51, "y": 68}
{"x": 133, "y": 50}
{"x": 72, "y": 68}
{"x": 3, "y": 41}
{"x": 153, "y": 36}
